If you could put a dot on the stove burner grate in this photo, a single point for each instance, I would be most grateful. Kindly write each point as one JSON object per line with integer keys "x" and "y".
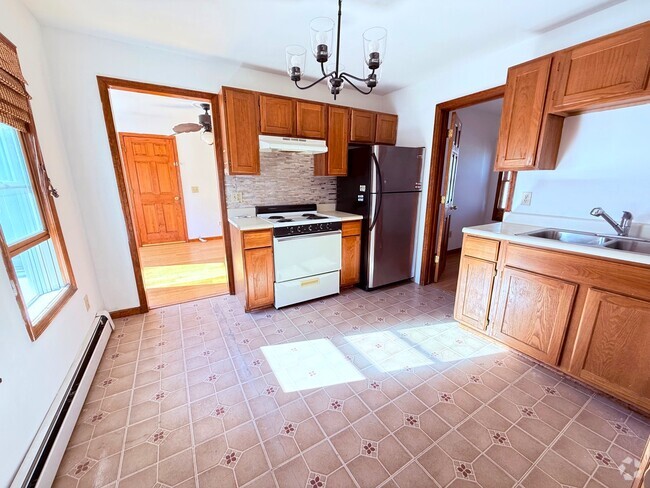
{"x": 275, "y": 217}
{"x": 285, "y": 220}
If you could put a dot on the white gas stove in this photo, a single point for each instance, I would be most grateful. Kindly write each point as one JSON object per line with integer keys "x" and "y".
{"x": 306, "y": 252}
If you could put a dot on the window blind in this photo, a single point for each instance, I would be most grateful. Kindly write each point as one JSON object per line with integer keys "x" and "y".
{"x": 14, "y": 99}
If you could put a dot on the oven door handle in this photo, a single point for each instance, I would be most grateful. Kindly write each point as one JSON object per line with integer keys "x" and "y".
{"x": 303, "y": 236}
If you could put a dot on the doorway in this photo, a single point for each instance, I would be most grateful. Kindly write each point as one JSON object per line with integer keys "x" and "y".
{"x": 462, "y": 182}
{"x": 171, "y": 180}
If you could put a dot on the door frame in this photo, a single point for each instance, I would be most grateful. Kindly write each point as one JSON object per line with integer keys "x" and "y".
{"x": 436, "y": 170}
{"x": 134, "y": 214}
{"x": 104, "y": 85}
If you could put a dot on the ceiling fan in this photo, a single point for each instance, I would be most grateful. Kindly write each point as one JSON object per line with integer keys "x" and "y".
{"x": 205, "y": 124}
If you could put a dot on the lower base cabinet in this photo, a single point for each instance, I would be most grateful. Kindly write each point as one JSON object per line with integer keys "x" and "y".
{"x": 252, "y": 256}
{"x": 350, "y": 253}
{"x": 475, "y": 283}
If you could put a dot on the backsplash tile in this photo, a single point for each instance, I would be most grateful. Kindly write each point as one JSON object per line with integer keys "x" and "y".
{"x": 285, "y": 178}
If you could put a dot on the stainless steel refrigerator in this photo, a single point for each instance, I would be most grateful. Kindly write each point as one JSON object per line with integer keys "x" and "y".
{"x": 384, "y": 185}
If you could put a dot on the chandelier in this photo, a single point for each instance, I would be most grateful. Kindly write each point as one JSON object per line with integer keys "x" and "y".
{"x": 322, "y": 33}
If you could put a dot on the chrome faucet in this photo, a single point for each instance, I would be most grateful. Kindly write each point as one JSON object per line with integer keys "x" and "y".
{"x": 621, "y": 229}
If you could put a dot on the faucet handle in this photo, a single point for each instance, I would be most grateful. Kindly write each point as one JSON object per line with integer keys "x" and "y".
{"x": 597, "y": 211}
{"x": 627, "y": 215}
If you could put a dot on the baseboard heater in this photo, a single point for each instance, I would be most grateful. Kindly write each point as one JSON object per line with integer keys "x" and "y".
{"x": 44, "y": 456}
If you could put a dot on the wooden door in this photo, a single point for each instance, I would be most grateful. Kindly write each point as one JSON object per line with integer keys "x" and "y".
{"x": 335, "y": 161}
{"x": 154, "y": 186}
{"x": 386, "y": 130}
{"x": 612, "y": 348}
{"x": 311, "y": 120}
{"x": 533, "y": 312}
{"x": 350, "y": 260}
{"x": 259, "y": 277}
{"x": 522, "y": 115}
{"x": 475, "y": 282}
{"x": 362, "y": 126}
{"x": 239, "y": 119}
{"x": 612, "y": 67}
{"x": 277, "y": 116}
{"x": 447, "y": 198}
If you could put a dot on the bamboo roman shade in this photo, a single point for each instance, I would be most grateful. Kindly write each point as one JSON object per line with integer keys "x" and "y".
{"x": 14, "y": 99}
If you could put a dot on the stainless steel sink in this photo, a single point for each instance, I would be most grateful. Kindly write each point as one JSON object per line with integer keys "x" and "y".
{"x": 630, "y": 244}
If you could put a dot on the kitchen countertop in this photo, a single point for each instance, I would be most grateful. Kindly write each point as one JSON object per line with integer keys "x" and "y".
{"x": 344, "y": 216}
{"x": 249, "y": 222}
{"x": 509, "y": 232}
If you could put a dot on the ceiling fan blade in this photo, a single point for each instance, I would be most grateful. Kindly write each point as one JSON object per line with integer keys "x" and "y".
{"x": 187, "y": 127}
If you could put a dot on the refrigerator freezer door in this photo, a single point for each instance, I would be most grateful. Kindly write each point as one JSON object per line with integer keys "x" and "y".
{"x": 391, "y": 241}
{"x": 400, "y": 169}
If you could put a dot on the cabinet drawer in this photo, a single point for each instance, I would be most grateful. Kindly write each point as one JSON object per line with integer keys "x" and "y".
{"x": 477, "y": 247}
{"x": 258, "y": 238}
{"x": 351, "y": 228}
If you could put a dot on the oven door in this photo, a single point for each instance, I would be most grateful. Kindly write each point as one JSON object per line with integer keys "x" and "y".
{"x": 306, "y": 255}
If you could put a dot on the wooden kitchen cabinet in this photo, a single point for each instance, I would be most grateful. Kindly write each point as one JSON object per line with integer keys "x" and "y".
{"x": 474, "y": 291}
{"x": 239, "y": 131}
{"x": 335, "y": 161}
{"x": 311, "y": 120}
{"x": 277, "y": 115}
{"x": 612, "y": 345}
{"x": 604, "y": 71}
{"x": 363, "y": 125}
{"x": 350, "y": 253}
{"x": 532, "y": 313}
{"x": 386, "y": 129}
{"x": 252, "y": 254}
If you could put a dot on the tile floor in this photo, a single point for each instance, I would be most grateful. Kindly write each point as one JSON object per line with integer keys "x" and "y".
{"x": 185, "y": 397}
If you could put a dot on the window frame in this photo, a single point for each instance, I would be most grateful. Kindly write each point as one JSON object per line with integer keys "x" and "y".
{"x": 40, "y": 184}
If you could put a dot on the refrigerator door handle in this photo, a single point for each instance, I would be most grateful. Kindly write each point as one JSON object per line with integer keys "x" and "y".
{"x": 379, "y": 193}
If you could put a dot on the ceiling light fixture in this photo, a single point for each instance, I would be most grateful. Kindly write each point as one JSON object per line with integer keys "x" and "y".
{"x": 322, "y": 33}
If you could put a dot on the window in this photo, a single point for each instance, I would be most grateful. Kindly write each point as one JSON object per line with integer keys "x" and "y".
{"x": 504, "y": 194}
{"x": 30, "y": 240}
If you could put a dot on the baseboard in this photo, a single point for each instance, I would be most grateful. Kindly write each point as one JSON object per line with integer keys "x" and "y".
{"x": 127, "y": 312}
{"x": 210, "y": 238}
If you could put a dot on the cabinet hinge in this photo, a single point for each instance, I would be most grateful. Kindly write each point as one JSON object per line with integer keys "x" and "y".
{"x": 436, "y": 259}
{"x": 443, "y": 199}
{"x": 450, "y": 133}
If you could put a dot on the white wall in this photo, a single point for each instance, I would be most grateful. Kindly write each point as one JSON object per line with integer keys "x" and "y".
{"x": 415, "y": 105}
{"x": 75, "y": 61}
{"x": 197, "y": 159}
{"x": 33, "y": 372}
{"x": 475, "y": 177}
{"x": 604, "y": 161}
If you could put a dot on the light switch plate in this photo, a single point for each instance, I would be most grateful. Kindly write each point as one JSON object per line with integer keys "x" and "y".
{"x": 526, "y": 198}
{"x": 195, "y": 189}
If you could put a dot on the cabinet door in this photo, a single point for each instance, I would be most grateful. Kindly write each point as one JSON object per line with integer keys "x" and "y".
{"x": 277, "y": 116}
{"x": 533, "y": 312}
{"x": 474, "y": 292}
{"x": 311, "y": 120}
{"x": 335, "y": 161}
{"x": 522, "y": 115}
{"x": 612, "y": 67}
{"x": 386, "y": 130}
{"x": 363, "y": 126}
{"x": 240, "y": 123}
{"x": 259, "y": 277}
{"x": 612, "y": 345}
{"x": 350, "y": 260}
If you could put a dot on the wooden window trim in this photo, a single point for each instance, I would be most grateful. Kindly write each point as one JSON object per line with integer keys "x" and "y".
{"x": 498, "y": 213}
{"x": 40, "y": 184}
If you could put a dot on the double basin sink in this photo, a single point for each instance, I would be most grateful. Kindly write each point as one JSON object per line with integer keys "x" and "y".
{"x": 631, "y": 244}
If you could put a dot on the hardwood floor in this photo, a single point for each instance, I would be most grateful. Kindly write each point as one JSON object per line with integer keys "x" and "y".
{"x": 449, "y": 277}
{"x": 184, "y": 271}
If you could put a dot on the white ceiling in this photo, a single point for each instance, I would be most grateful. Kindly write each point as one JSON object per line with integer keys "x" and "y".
{"x": 422, "y": 34}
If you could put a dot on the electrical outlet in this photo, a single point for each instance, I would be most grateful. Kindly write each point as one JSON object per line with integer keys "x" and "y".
{"x": 238, "y": 197}
{"x": 526, "y": 198}
{"x": 195, "y": 189}
{"x": 87, "y": 302}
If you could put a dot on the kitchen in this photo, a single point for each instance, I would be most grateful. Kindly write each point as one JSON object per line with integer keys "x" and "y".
{"x": 336, "y": 360}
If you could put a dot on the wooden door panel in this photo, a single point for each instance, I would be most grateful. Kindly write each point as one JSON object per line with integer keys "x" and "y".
{"x": 612, "y": 345}
{"x": 475, "y": 282}
{"x": 362, "y": 127}
{"x": 259, "y": 276}
{"x": 350, "y": 260}
{"x": 533, "y": 312}
{"x": 386, "y": 130}
{"x": 335, "y": 161}
{"x": 311, "y": 120}
{"x": 241, "y": 122}
{"x": 521, "y": 118}
{"x": 153, "y": 179}
{"x": 277, "y": 116}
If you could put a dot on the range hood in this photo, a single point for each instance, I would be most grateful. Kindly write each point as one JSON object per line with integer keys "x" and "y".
{"x": 292, "y": 144}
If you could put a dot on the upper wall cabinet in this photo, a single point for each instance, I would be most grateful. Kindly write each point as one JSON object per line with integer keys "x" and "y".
{"x": 363, "y": 126}
{"x": 605, "y": 71}
{"x": 386, "y": 129}
{"x": 521, "y": 117}
{"x": 239, "y": 131}
{"x": 311, "y": 120}
{"x": 277, "y": 116}
{"x": 335, "y": 161}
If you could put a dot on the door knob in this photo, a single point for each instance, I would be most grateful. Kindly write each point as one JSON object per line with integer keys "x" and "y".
{"x": 177, "y": 198}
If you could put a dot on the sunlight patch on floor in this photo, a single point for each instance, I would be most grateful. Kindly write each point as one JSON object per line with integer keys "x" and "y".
{"x": 310, "y": 364}
{"x": 184, "y": 275}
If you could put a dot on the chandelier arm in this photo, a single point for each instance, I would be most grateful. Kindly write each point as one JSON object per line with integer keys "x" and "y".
{"x": 356, "y": 77}
{"x": 322, "y": 69}
{"x": 313, "y": 84}
{"x": 355, "y": 86}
